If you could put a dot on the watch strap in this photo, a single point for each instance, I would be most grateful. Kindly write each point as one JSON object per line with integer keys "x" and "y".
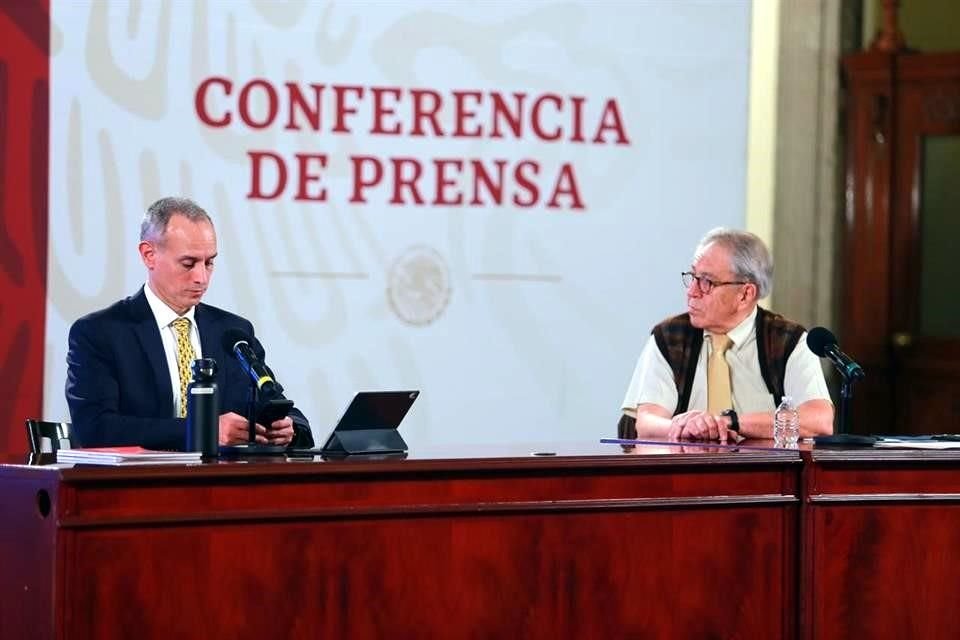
{"x": 734, "y": 419}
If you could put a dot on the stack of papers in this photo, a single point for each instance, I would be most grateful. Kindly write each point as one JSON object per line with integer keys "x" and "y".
{"x": 893, "y": 442}
{"x": 125, "y": 455}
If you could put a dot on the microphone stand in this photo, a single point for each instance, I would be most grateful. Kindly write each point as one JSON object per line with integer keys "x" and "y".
{"x": 850, "y": 374}
{"x": 252, "y": 399}
{"x": 846, "y": 395}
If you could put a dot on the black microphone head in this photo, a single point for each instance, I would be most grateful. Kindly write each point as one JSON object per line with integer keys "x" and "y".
{"x": 818, "y": 339}
{"x": 231, "y": 337}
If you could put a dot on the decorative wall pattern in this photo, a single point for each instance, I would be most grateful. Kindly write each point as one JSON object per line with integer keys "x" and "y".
{"x": 24, "y": 99}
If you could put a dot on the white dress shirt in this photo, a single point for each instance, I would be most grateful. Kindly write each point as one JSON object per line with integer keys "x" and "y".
{"x": 165, "y": 316}
{"x": 653, "y": 382}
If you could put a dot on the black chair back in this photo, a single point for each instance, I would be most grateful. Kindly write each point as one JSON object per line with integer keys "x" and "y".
{"x": 47, "y": 437}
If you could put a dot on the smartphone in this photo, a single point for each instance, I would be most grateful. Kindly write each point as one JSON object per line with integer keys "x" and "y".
{"x": 274, "y": 410}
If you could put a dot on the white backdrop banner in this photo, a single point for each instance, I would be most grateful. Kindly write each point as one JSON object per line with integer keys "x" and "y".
{"x": 490, "y": 202}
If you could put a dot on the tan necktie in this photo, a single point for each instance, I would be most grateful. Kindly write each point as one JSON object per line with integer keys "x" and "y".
{"x": 718, "y": 375}
{"x": 185, "y": 356}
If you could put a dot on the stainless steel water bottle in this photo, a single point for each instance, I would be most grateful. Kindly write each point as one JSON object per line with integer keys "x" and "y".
{"x": 203, "y": 409}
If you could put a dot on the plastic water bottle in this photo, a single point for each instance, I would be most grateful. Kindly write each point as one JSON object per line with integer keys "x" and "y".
{"x": 203, "y": 409}
{"x": 786, "y": 425}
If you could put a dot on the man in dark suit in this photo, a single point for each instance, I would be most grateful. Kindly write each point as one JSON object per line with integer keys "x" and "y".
{"x": 128, "y": 364}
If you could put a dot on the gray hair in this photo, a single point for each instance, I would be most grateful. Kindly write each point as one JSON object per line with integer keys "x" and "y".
{"x": 158, "y": 215}
{"x": 749, "y": 257}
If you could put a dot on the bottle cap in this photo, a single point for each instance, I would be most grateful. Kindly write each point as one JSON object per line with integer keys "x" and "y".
{"x": 204, "y": 369}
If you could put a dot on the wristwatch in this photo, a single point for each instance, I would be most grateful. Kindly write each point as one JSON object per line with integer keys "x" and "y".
{"x": 734, "y": 419}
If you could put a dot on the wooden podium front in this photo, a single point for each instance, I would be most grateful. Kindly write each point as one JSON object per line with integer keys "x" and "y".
{"x": 593, "y": 542}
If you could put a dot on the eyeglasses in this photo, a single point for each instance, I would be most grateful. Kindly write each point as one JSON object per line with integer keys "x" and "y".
{"x": 704, "y": 283}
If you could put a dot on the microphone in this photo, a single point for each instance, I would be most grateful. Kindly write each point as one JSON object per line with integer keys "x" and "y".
{"x": 823, "y": 343}
{"x": 240, "y": 345}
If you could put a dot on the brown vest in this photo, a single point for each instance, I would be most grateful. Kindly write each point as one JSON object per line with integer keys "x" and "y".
{"x": 680, "y": 342}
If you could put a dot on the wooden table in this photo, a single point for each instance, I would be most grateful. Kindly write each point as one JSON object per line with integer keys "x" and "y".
{"x": 659, "y": 541}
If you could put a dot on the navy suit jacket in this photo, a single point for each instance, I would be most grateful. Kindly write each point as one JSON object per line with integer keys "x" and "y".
{"x": 118, "y": 383}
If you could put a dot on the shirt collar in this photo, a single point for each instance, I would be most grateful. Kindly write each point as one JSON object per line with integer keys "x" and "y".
{"x": 163, "y": 314}
{"x": 741, "y": 333}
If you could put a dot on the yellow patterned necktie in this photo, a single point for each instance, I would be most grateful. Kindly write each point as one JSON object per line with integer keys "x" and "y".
{"x": 719, "y": 396}
{"x": 185, "y": 357}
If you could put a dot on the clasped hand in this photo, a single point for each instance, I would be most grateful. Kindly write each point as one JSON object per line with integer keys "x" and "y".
{"x": 701, "y": 425}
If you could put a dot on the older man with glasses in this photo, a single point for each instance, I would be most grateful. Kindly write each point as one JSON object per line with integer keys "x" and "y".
{"x": 719, "y": 371}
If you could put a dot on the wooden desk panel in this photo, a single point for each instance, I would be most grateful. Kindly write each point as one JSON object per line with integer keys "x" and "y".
{"x": 575, "y": 575}
{"x": 27, "y": 553}
{"x": 882, "y": 544}
{"x": 656, "y": 544}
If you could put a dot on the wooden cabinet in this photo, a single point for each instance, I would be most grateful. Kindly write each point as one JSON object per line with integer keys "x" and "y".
{"x": 900, "y": 302}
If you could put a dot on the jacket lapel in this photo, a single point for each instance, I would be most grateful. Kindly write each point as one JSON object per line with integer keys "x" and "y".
{"x": 148, "y": 334}
{"x": 209, "y": 337}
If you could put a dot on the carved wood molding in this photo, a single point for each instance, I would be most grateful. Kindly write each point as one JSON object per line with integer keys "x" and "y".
{"x": 890, "y": 38}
